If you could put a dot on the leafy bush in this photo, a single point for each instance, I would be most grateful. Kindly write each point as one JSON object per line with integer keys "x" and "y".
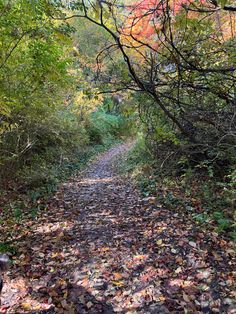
{"x": 103, "y": 127}
{"x": 195, "y": 189}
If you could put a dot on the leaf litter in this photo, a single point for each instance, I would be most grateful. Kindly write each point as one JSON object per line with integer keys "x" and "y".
{"x": 99, "y": 247}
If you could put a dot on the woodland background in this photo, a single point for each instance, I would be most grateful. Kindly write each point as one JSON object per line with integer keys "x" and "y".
{"x": 172, "y": 64}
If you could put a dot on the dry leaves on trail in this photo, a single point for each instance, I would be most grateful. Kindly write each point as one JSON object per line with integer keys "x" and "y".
{"x": 100, "y": 248}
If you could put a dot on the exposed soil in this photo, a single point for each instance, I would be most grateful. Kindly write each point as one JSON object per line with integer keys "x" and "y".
{"x": 100, "y": 248}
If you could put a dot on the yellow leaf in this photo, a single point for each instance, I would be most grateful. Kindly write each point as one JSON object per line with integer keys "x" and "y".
{"x": 26, "y": 306}
{"x": 118, "y": 283}
{"x": 159, "y": 242}
{"x": 54, "y": 255}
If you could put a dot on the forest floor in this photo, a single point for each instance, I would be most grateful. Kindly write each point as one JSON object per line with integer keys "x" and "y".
{"x": 99, "y": 247}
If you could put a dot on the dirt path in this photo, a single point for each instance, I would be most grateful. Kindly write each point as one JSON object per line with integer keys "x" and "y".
{"x": 100, "y": 248}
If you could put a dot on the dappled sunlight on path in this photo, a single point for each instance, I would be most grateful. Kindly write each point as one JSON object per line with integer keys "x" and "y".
{"x": 100, "y": 248}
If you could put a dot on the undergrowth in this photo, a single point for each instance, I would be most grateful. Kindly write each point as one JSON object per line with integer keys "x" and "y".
{"x": 27, "y": 202}
{"x": 210, "y": 200}
{"x": 32, "y": 179}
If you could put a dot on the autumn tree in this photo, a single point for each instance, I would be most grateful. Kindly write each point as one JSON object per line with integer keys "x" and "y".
{"x": 181, "y": 54}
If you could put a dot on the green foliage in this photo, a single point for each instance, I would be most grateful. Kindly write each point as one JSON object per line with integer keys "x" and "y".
{"x": 103, "y": 126}
{"x": 49, "y": 122}
{"x": 5, "y": 247}
{"x": 138, "y": 159}
{"x": 52, "y": 120}
{"x": 222, "y": 221}
{"x": 197, "y": 192}
{"x": 186, "y": 76}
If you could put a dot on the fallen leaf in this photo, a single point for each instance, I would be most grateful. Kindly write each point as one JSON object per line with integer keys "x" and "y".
{"x": 193, "y": 244}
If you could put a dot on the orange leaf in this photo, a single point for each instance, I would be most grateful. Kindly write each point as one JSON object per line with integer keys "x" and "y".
{"x": 117, "y": 276}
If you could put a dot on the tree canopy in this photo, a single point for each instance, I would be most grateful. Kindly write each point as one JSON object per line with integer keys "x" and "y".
{"x": 154, "y": 83}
